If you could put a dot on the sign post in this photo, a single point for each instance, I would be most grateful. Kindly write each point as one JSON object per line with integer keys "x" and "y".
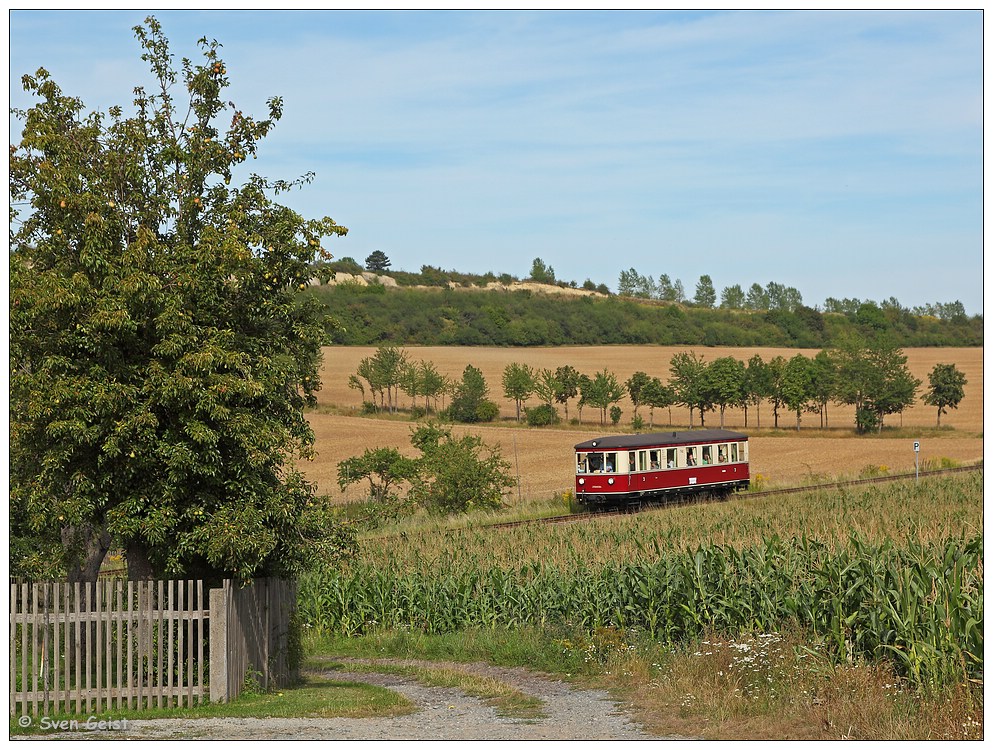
{"x": 917, "y": 453}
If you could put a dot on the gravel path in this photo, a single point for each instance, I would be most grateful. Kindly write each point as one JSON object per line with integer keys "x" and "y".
{"x": 442, "y": 714}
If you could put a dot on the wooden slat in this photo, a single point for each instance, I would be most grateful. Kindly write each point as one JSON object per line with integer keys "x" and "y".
{"x": 83, "y": 647}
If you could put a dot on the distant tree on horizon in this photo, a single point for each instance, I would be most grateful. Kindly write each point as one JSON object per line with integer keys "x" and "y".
{"x": 377, "y": 261}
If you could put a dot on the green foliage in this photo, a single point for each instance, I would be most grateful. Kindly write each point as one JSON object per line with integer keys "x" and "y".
{"x": 688, "y": 379}
{"x": 706, "y": 296}
{"x": 872, "y": 375}
{"x": 518, "y": 384}
{"x": 161, "y": 355}
{"x": 724, "y": 380}
{"x": 946, "y": 388}
{"x": 383, "y": 468}
{"x": 377, "y": 261}
{"x": 433, "y": 317}
{"x": 601, "y": 391}
{"x": 458, "y": 474}
{"x": 469, "y": 402}
{"x": 542, "y": 273}
{"x": 542, "y": 416}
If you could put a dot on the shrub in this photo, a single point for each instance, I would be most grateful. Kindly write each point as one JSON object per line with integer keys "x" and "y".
{"x": 543, "y": 415}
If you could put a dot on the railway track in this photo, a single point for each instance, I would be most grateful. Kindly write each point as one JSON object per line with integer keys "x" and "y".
{"x": 573, "y": 517}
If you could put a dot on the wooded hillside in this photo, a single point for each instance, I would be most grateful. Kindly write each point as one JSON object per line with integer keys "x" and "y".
{"x": 467, "y": 315}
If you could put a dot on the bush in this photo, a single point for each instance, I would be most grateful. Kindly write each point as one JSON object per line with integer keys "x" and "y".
{"x": 458, "y": 474}
{"x": 615, "y": 414}
{"x": 487, "y": 411}
{"x": 543, "y": 415}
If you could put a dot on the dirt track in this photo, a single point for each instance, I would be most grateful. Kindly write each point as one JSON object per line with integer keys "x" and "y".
{"x": 440, "y": 714}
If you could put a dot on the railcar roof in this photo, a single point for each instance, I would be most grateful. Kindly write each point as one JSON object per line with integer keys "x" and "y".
{"x": 689, "y": 437}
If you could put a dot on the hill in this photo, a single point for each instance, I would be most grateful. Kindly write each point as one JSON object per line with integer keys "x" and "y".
{"x": 375, "y": 309}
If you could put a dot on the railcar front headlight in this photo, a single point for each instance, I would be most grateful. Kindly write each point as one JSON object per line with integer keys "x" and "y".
{"x": 581, "y": 481}
{"x": 610, "y": 481}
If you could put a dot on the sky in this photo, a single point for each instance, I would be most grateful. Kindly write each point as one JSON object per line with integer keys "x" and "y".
{"x": 840, "y": 153}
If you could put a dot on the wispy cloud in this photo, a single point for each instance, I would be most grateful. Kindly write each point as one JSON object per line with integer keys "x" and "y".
{"x": 751, "y": 146}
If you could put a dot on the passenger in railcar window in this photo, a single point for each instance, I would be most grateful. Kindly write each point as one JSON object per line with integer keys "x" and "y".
{"x": 722, "y": 456}
{"x": 706, "y": 454}
{"x": 690, "y": 458}
{"x": 671, "y": 458}
{"x": 632, "y": 466}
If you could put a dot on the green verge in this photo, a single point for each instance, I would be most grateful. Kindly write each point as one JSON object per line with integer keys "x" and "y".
{"x": 313, "y": 696}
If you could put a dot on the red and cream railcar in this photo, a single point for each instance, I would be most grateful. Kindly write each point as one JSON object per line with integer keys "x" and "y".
{"x": 622, "y": 469}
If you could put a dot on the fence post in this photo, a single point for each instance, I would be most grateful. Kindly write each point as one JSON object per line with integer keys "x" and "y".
{"x": 218, "y": 647}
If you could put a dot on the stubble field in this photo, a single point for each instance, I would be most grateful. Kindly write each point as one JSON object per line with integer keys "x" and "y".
{"x": 542, "y": 457}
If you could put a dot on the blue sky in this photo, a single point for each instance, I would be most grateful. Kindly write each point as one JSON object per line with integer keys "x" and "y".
{"x": 836, "y": 152}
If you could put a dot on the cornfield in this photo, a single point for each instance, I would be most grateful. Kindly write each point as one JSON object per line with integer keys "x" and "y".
{"x": 914, "y": 600}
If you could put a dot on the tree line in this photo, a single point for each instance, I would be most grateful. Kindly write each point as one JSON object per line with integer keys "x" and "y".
{"x": 469, "y": 316}
{"x": 772, "y": 296}
{"x": 868, "y": 374}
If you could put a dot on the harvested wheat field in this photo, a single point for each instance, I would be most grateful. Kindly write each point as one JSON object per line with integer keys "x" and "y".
{"x": 542, "y": 458}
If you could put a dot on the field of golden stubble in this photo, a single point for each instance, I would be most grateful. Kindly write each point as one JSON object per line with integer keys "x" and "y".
{"x": 542, "y": 457}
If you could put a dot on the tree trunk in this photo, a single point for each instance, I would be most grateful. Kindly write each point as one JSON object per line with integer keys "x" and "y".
{"x": 139, "y": 566}
{"x": 86, "y": 547}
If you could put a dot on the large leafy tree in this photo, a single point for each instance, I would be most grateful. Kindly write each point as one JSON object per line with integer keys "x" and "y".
{"x": 872, "y": 376}
{"x": 160, "y": 353}
{"x": 946, "y": 388}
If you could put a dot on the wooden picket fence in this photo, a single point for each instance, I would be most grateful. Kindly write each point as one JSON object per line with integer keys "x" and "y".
{"x": 116, "y": 644}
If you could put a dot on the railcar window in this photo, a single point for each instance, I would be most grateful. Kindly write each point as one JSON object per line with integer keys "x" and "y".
{"x": 670, "y": 458}
{"x": 580, "y": 463}
{"x": 656, "y": 458}
{"x": 643, "y": 460}
{"x": 707, "y": 451}
{"x": 734, "y": 451}
{"x": 632, "y": 465}
{"x": 610, "y": 463}
{"x": 743, "y": 451}
{"x": 722, "y": 454}
{"x": 691, "y": 456}
{"x": 594, "y": 462}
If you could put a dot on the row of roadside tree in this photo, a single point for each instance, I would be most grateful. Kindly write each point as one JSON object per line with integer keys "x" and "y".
{"x": 869, "y": 374}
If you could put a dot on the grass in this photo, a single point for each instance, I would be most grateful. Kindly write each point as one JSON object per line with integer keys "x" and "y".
{"x": 313, "y": 696}
{"x": 504, "y": 699}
